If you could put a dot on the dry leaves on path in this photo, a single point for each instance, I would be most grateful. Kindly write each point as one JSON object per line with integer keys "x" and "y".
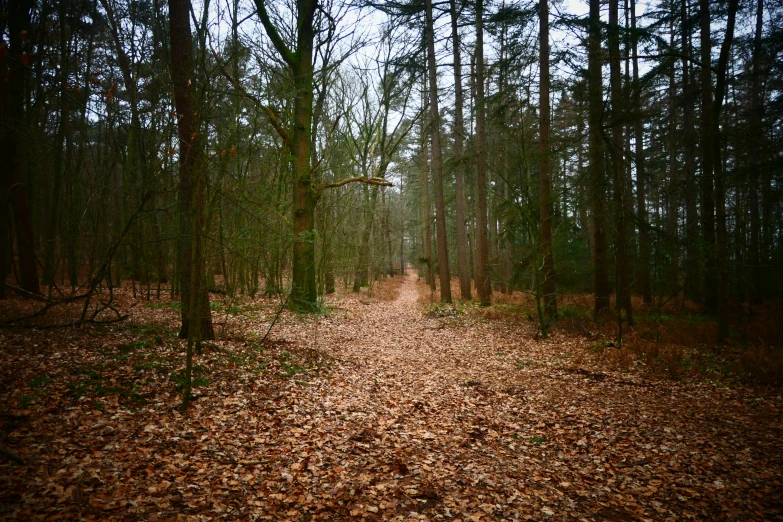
{"x": 376, "y": 411}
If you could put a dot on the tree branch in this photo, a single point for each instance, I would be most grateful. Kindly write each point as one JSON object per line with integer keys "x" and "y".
{"x": 270, "y": 114}
{"x": 289, "y": 57}
{"x": 360, "y": 179}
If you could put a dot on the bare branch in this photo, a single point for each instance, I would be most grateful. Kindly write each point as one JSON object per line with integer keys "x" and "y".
{"x": 358, "y": 179}
{"x": 273, "y": 119}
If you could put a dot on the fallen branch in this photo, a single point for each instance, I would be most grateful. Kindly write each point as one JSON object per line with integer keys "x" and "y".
{"x": 26, "y": 293}
{"x": 95, "y": 279}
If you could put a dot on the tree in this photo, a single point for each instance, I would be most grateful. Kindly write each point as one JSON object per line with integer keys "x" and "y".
{"x": 483, "y": 283}
{"x": 601, "y": 286}
{"x": 643, "y": 264}
{"x": 300, "y": 63}
{"x": 192, "y": 185}
{"x": 13, "y": 188}
{"x": 459, "y": 162}
{"x": 547, "y": 273}
{"x": 618, "y": 166}
{"x": 437, "y": 162}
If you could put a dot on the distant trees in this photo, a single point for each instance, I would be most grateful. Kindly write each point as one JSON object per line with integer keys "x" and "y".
{"x": 648, "y": 163}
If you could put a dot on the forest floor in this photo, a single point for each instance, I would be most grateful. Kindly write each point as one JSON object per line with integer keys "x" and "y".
{"x": 382, "y": 409}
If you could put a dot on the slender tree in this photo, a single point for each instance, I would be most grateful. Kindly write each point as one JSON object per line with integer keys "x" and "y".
{"x": 643, "y": 264}
{"x": 601, "y": 286}
{"x": 13, "y": 186}
{"x": 459, "y": 162}
{"x": 545, "y": 182}
{"x": 483, "y": 283}
{"x": 191, "y": 191}
{"x": 437, "y": 162}
{"x": 618, "y": 165}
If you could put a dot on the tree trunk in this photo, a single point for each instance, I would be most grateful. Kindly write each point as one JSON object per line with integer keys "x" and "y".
{"x": 300, "y": 62}
{"x": 757, "y": 115}
{"x": 12, "y": 184}
{"x": 425, "y": 191}
{"x": 437, "y": 163}
{"x": 545, "y": 183}
{"x": 721, "y": 254}
{"x": 707, "y": 158}
{"x": 463, "y": 255}
{"x": 643, "y": 265}
{"x": 191, "y": 184}
{"x": 618, "y": 165}
{"x": 693, "y": 272}
{"x": 361, "y": 274}
{"x": 483, "y": 284}
{"x": 601, "y": 285}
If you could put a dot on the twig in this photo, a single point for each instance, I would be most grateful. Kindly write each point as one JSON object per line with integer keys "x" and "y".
{"x": 277, "y": 316}
{"x": 25, "y": 293}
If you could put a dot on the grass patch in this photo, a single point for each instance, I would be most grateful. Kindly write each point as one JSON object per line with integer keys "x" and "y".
{"x": 40, "y": 381}
{"x": 197, "y": 378}
{"x": 289, "y": 366}
{"x": 158, "y": 305}
{"x": 524, "y": 363}
{"x": 94, "y": 385}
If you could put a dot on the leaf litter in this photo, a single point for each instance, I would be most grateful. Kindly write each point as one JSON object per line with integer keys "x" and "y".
{"x": 373, "y": 411}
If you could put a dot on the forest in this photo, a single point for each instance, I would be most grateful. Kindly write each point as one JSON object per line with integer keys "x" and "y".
{"x": 391, "y": 260}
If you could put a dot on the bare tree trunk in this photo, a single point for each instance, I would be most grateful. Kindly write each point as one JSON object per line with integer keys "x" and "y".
{"x": 191, "y": 184}
{"x": 425, "y": 191}
{"x": 601, "y": 285}
{"x": 618, "y": 167}
{"x": 673, "y": 189}
{"x": 693, "y": 272}
{"x": 545, "y": 181}
{"x": 643, "y": 265}
{"x": 757, "y": 115}
{"x": 300, "y": 62}
{"x": 362, "y": 272}
{"x": 483, "y": 284}
{"x": 437, "y": 163}
{"x": 12, "y": 184}
{"x": 707, "y": 158}
{"x": 463, "y": 255}
{"x": 721, "y": 253}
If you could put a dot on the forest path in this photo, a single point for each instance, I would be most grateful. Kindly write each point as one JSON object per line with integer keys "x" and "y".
{"x": 379, "y": 410}
{"x": 475, "y": 419}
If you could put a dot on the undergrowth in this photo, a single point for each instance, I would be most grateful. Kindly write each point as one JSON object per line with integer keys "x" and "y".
{"x": 675, "y": 339}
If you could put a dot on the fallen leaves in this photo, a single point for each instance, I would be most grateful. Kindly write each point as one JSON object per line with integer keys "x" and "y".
{"x": 404, "y": 416}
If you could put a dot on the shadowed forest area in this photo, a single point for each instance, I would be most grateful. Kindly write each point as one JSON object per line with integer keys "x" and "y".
{"x": 323, "y": 260}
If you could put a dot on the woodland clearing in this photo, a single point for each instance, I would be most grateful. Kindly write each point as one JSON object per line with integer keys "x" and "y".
{"x": 376, "y": 410}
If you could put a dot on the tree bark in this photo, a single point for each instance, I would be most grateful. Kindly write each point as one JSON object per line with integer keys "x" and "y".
{"x": 601, "y": 285}
{"x": 618, "y": 165}
{"x": 463, "y": 254}
{"x": 545, "y": 181}
{"x": 757, "y": 116}
{"x": 300, "y": 62}
{"x": 721, "y": 254}
{"x": 483, "y": 284}
{"x": 437, "y": 163}
{"x": 693, "y": 272}
{"x": 191, "y": 183}
{"x": 643, "y": 265}
{"x": 13, "y": 197}
{"x": 426, "y": 217}
{"x": 707, "y": 185}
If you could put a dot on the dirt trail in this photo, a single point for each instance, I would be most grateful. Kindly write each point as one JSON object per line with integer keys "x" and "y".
{"x": 417, "y": 417}
{"x": 478, "y": 419}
